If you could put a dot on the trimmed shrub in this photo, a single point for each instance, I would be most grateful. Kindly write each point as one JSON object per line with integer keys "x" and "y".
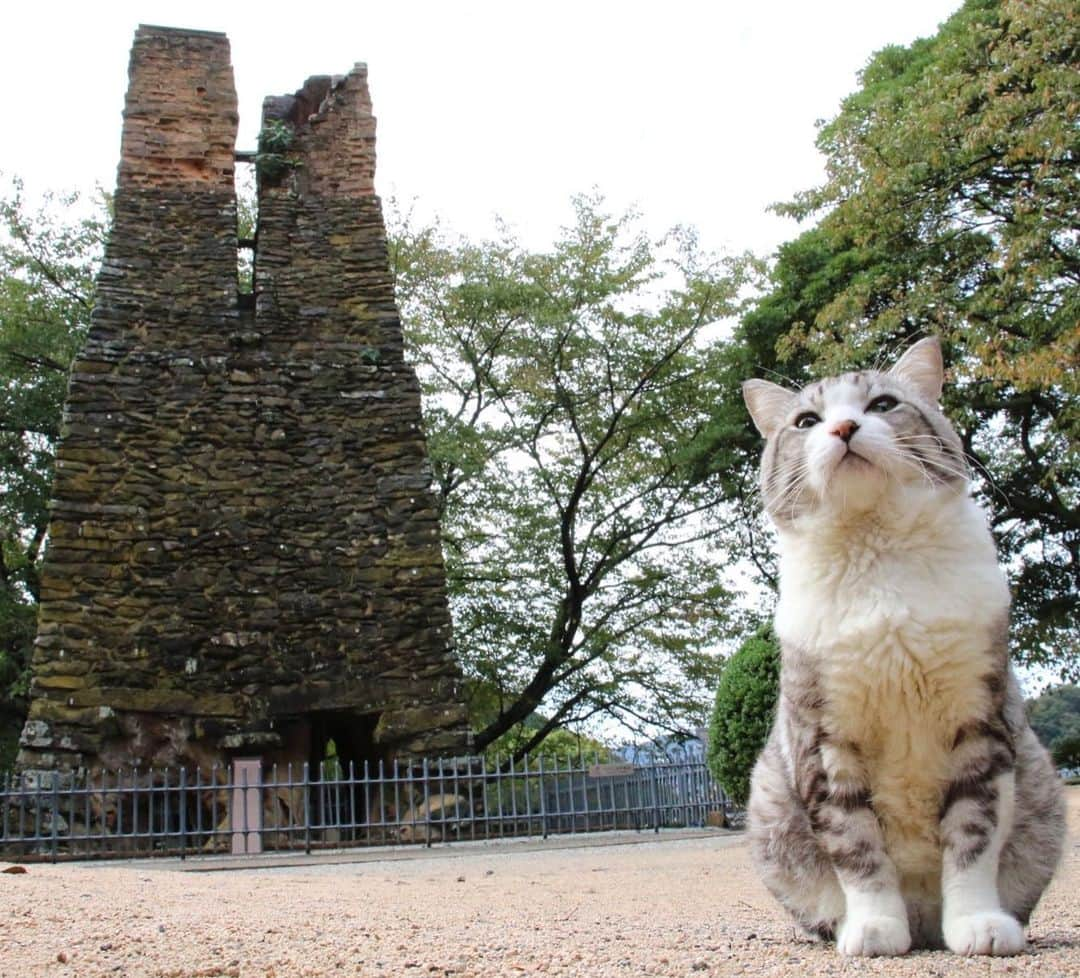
{"x": 743, "y": 712}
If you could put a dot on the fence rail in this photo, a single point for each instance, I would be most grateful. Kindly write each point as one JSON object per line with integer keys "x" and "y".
{"x": 248, "y": 808}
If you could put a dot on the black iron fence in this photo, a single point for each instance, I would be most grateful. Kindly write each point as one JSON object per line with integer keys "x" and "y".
{"x": 248, "y": 808}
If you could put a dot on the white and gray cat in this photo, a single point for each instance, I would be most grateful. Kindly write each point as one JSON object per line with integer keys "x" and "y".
{"x": 902, "y": 799}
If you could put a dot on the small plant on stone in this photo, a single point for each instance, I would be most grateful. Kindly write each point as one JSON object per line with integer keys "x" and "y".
{"x": 271, "y": 161}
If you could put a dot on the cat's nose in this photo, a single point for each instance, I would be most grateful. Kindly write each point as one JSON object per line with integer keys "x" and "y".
{"x": 844, "y": 430}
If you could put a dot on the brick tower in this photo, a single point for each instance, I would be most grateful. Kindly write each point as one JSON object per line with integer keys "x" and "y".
{"x": 244, "y": 550}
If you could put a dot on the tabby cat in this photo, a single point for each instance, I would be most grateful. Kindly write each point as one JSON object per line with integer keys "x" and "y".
{"x": 902, "y": 799}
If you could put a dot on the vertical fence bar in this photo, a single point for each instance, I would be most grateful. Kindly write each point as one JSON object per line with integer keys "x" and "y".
{"x": 86, "y": 821}
{"x": 354, "y": 822}
{"x": 457, "y": 799}
{"x": 484, "y": 795}
{"x": 271, "y": 792}
{"x": 499, "y": 778}
{"x": 37, "y": 810}
{"x": 426, "y": 809}
{"x": 199, "y": 807}
{"x": 22, "y": 808}
{"x": 134, "y": 807}
{"x": 513, "y": 798}
{"x": 656, "y": 800}
{"x": 72, "y": 835}
{"x": 442, "y": 804}
{"x": 585, "y": 787}
{"x": 149, "y": 809}
{"x": 5, "y": 805}
{"x": 183, "y": 801}
{"x": 119, "y": 803}
{"x": 305, "y": 771}
{"x": 543, "y": 801}
{"x": 470, "y": 787}
{"x": 211, "y": 831}
{"x": 290, "y": 827}
{"x": 398, "y": 813}
{"x": 526, "y": 769}
{"x": 55, "y": 827}
{"x": 383, "y": 833}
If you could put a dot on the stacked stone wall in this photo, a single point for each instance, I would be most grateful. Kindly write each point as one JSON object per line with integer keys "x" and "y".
{"x": 244, "y": 548}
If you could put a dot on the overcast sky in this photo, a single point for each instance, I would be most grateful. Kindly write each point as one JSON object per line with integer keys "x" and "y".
{"x": 697, "y": 113}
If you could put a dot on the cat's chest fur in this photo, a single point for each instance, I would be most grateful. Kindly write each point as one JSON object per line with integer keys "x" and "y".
{"x": 896, "y": 617}
{"x": 896, "y": 614}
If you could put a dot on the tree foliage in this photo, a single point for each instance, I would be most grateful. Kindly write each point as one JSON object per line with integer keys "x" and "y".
{"x": 951, "y": 207}
{"x": 48, "y": 260}
{"x": 743, "y": 712}
{"x": 1066, "y": 752}
{"x": 562, "y": 392}
{"x": 1055, "y": 715}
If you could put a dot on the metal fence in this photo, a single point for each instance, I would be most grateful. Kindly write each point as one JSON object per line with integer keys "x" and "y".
{"x": 248, "y": 808}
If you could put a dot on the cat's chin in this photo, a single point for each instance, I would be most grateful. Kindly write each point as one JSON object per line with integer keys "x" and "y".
{"x": 853, "y": 483}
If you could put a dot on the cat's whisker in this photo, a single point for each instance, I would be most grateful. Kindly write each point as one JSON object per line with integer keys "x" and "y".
{"x": 923, "y": 466}
{"x": 786, "y": 381}
{"x": 926, "y": 445}
{"x": 986, "y": 476}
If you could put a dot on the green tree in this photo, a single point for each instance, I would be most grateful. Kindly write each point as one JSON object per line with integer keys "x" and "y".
{"x": 1066, "y": 752}
{"x": 48, "y": 260}
{"x": 743, "y": 712}
{"x": 559, "y": 745}
{"x": 951, "y": 206}
{"x": 562, "y": 392}
{"x": 1055, "y": 715}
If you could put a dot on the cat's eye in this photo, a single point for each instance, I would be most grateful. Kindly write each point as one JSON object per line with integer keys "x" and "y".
{"x": 879, "y": 405}
{"x": 807, "y": 420}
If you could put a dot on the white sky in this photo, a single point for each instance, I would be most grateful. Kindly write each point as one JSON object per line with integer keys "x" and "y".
{"x": 697, "y": 113}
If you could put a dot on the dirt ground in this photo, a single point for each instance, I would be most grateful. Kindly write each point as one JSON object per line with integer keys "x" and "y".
{"x": 677, "y": 906}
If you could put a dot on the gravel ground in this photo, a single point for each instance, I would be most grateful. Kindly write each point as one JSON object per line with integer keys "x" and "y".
{"x": 684, "y": 906}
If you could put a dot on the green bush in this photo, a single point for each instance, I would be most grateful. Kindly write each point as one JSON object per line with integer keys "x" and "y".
{"x": 1066, "y": 752}
{"x": 743, "y": 712}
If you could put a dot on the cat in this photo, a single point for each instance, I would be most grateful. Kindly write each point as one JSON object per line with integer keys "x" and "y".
{"x": 901, "y": 800}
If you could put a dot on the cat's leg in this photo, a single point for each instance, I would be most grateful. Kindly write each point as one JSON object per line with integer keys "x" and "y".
{"x": 977, "y": 818}
{"x": 838, "y": 799}
{"x": 787, "y": 854}
{"x": 815, "y": 795}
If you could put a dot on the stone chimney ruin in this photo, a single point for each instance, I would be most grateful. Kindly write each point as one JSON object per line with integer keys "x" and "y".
{"x": 244, "y": 553}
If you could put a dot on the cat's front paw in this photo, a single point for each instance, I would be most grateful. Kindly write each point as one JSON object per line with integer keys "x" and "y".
{"x": 874, "y": 935}
{"x": 990, "y": 932}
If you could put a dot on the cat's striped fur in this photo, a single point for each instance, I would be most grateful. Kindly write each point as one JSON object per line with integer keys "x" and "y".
{"x": 902, "y": 799}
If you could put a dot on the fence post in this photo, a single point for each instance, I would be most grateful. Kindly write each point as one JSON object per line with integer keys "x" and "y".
{"x": 247, "y": 806}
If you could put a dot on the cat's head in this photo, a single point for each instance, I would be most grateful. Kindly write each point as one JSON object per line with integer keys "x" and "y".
{"x": 847, "y": 441}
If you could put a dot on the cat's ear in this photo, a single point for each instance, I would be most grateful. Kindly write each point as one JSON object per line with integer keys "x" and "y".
{"x": 768, "y": 404}
{"x": 922, "y": 367}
